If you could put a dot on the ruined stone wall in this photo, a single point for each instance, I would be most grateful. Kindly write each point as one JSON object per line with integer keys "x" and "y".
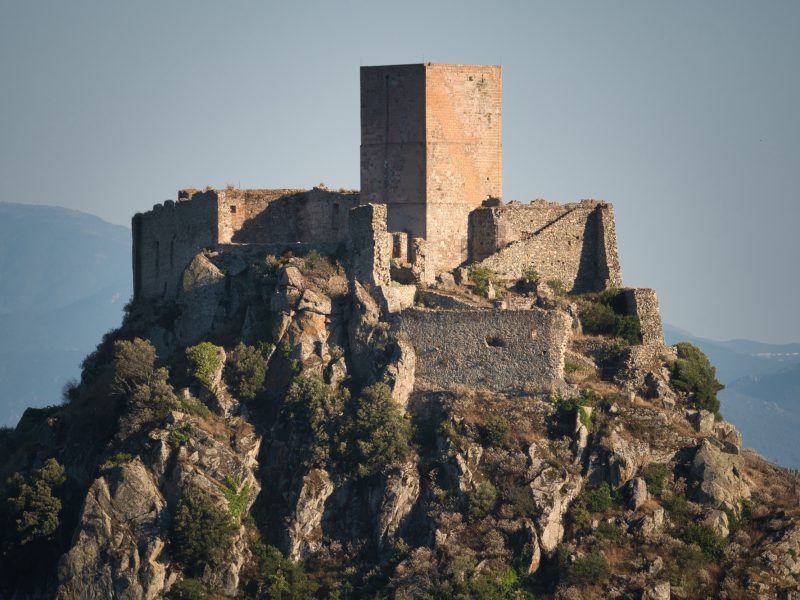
{"x": 369, "y": 249}
{"x": 573, "y": 243}
{"x": 500, "y": 350}
{"x": 643, "y": 303}
{"x": 280, "y": 216}
{"x": 166, "y": 239}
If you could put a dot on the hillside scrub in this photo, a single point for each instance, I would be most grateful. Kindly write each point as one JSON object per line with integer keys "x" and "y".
{"x": 246, "y": 370}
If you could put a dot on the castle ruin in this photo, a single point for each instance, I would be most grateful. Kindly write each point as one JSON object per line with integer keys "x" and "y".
{"x": 429, "y": 205}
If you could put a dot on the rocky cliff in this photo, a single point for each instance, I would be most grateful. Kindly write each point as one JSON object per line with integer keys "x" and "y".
{"x": 264, "y": 435}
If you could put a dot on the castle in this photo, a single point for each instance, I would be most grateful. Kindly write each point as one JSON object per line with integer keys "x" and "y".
{"x": 429, "y": 204}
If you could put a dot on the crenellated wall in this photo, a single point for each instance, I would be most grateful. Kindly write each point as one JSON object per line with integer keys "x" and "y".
{"x": 573, "y": 243}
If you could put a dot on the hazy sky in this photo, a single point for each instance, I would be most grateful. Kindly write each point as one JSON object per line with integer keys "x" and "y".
{"x": 685, "y": 115}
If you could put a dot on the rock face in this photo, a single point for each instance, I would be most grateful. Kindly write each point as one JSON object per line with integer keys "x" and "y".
{"x": 119, "y": 542}
{"x": 495, "y": 480}
{"x": 304, "y": 529}
{"x": 553, "y": 490}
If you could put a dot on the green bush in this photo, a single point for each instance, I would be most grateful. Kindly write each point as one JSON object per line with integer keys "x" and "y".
{"x": 380, "y": 433}
{"x": 246, "y": 371}
{"x": 694, "y": 374}
{"x": 482, "y": 500}
{"x": 609, "y": 531}
{"x": 599, "y": 499}
{"x": 116, "y": 459}
{"x": 205, "y": 362}
{"x": 34, "y": 507}
{"x": 313, "y": 411}
{"x": 146, "y": 390}
{"x": 280, "y": 578}
{"x": 710, "y": 542}
{"x": 557, "y": 286}
{"x": 589, "y": 569}
{"x": 655, "y": 475}
{"x": 530, "y": 274}
{"x": 482, "y": 277}
{"x": 188, "y": 589}
{"x": 237, "y": 495}
{"x": 605, "y": 315}
{"x": 567, "y": 408}
{"x": 202, "y": 533}
{"x": 495, "y": 430}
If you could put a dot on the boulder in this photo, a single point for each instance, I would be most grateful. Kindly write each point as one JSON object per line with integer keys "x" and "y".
{"x": 399, "y": 495}
{"x": 719, "y": 477}
{"x": 637, "y": 493}
{"x": 202, "y": 288}
{"x": 718, "y": 521}
{"x": 657, "y": 591}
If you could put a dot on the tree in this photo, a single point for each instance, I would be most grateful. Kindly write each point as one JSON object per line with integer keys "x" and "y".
{"x": 247, "y": 368}
{"x": 205, "y": 362}
{"x": 314, "y": 410}
{"x": 694, "y": 374}
{"x": 34, "y": 506}
{"x": 380, "y": 433}
{"x": 202, "y": 533}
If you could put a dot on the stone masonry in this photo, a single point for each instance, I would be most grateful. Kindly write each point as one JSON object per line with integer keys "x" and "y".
{"x": 431, "y": 177}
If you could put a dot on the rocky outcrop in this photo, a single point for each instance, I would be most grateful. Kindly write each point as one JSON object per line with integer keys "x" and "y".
{"x": 553, "y": 490}
{"x": 305, "y": 526}
{"x": 719, "y": 477}
{"x": 392, "y": 506}
{"x": 118, "y": 547}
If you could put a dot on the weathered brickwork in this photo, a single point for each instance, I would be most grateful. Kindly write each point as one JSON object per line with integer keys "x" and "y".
{"x": 507, "y": 350}
{"x": 643, "y": 303}
{"x": 431, "y": 149}
{"x": 573, "y": 243}
{"x": 167, "y": 238}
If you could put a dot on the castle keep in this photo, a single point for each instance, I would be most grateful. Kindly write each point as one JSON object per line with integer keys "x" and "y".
{"x": 429, "y": 205}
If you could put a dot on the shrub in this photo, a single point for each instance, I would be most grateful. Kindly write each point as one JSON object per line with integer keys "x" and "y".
{"x": 482, "y": 277}
{"x": 482, "y": 500}
{"x": 567, "y": 408}
{"x": 380, "y": 433}
{"x": 588, "y": 569}
{"x": 655, "y": 475}
{"x": 572, "y": 367}
{"x": 281, "y": 578}
{"x": 313, "y": 411}
{"x": 202, "y": 533}
{"x": 599, "y": 499}
{"x": 205, "y": 362}
{"x": 134, "y": 364}
{"x": 530, "y": 274}
{"x": 237, "y": 495}
{"x": 188, "y": 589}
{"x": 557, "y": 286}
{"x": 694, "y": 374}
{"x": 146, "y": 390}
{"x": 711, "y": 543}
{"x": 116, "y": 459}
{"x": 495, "y": 430}
{"x": 246, "y": 370}
{"x": 34, "y": 507}
{"x": 605, "y": 315}
{"x": 609, "y": 531}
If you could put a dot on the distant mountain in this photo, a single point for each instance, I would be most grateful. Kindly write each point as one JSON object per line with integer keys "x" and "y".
{"x": 762, "y": 397}
{"x": 64, "y": 279}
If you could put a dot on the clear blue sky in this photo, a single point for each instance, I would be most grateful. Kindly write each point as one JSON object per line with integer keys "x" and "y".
{"x": 685, "y": 115}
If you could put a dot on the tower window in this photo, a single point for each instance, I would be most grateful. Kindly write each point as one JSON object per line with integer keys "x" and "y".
{"x": 233, "y": 209}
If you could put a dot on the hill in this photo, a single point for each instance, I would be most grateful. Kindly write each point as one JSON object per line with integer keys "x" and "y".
{"x": 65, "y": 279}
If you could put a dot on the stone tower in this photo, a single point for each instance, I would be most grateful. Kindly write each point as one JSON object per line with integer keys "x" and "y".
{"x": 431, "y": 150}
